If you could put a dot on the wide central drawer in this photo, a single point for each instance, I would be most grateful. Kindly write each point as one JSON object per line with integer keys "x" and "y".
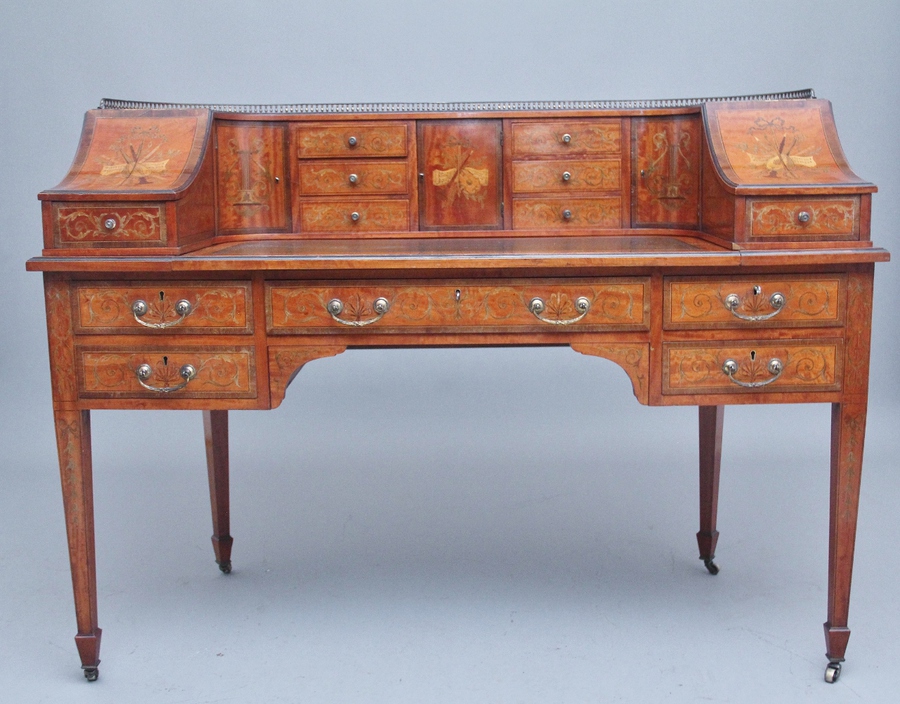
{"x": 610, "y": 304}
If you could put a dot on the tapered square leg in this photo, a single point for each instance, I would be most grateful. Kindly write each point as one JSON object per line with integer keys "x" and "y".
{"x": 711, "y": 418}
{"x": 215, "y": 427}
{"x": 73, "y": 438}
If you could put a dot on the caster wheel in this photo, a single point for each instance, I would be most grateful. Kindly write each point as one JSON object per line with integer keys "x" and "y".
{"x": 225, "y": 567}
{"x": 91, "y": 673}
{"x": 832, "y": 672}
{"x": 711, "y": 566}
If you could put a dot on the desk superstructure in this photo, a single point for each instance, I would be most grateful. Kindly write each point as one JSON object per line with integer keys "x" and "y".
{"x": 718, "y": 251}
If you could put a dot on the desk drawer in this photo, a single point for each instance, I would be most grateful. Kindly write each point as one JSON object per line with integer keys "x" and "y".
{"x": 575, "y": 213}
{"x": 351, "y": 139}
{"x": 619, "y": 304}
{"x": 354, "y": 177}
{"x": 752, "y": 367}
{"x": 109, "y": 225}
{"x": 213, "y": 307}
{"x": 566, "y": 175}
{"x": 765, "y": 301}
{"x": 154, "y": 371}
{"x": 566, "y": 138}
{"x": 354, "y": 216}
{"x": 814, "y": 218}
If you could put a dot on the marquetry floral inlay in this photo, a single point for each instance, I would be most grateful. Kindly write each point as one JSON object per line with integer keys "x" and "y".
{"x": 778, "y": 149}
{"x": 826, "y": 217}
{"x": 220, "y": 307}
{"x": 128, "y": 224}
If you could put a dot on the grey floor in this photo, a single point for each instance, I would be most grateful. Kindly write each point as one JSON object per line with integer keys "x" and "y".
{"x": 438, "y": 526}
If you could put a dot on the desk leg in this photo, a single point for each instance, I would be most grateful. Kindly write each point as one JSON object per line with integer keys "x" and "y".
{"x": 848, "y": 426}
{"x": 73, "y": 439}
{"x": 711, "y": 418}
{"x": 215, "y": 427}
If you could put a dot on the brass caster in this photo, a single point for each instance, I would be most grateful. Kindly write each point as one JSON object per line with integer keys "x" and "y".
{"x": 225, "y": 567}
{"x": 832, "y": 672}
{"x": 711, "y": 566}
{"x": 91, "y": 673}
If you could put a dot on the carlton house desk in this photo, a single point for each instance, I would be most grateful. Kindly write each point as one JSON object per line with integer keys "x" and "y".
{"x": 718, "y": 251}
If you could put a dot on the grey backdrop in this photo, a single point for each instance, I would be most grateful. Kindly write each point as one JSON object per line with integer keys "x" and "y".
{"x": 441, "y": 526}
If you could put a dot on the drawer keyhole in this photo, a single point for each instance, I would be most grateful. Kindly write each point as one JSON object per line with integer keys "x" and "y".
{"x": 752, "y": 355}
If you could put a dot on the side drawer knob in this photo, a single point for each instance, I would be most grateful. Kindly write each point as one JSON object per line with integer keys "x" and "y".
{"x": 354, "y": 216}
{"x": 567, "y": 214}
{"x": 352, "y": 141}
{"x": 567, "y": 176}
{"x": 353, "y": 178}
{"x": 566, "y": 138}
{"x": 803, "y": 216}
{"x": 110, "y": 223}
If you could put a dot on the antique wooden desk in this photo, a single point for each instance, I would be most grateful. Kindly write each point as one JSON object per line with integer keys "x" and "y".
{"x": 718, "y": 251}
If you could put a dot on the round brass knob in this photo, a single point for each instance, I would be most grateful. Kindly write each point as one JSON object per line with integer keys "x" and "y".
{"x": 566, "y": 138}
{"x": 352, "y": 141}
{"x": 354, "y": 216}
{"x": 110, "y": 223}
{"x": 567, "y": 214}
{"x": 803, "y": 216}
{"x": 567, "y": 176}
{"x": 353, "y": 178}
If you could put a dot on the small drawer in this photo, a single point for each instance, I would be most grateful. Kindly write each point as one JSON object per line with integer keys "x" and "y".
{"x": 766, "y": 301}
{"x": 809, "y": 218}
{"x": 568, "y": 175}
{"x": 577, "y": 213}
{"x": 151, "y": 371}
{"x": 108, "y": 225}
{"x": 354, "y": 216}
{"x": 214, "y": 307}
{"x": 616, "y": 304}
{"x": 351, "y": 139}
{"x": 751, "y": 367}
{"x": 349, "y": 177}
{"x": 566, "y": 138}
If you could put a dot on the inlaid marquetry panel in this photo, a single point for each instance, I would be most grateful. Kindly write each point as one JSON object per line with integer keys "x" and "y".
{"x": 349, "y": 139}
{"x": 566, "y": 175}
{"x": 215, "y": 307}
{"x": 109, "y": 225}
{"x": 703, "y": 303}
{"x": 252, "y": 177}
{"x": 807, "y": 365}
{"x": 667, "y": 173}
{"x": 354, "y": 216}
{"x": 461, "y": 166}
{"x": 810, "y": 217}
{"x": 220, "y": 373}
{"x": 349, "y": 177}
{"x": 575, "y": 213}
{"x": 566, "y": 138}
{"x": 614, "y": 304}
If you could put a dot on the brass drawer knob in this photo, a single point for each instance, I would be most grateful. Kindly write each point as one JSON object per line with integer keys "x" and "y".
{"x": 567, "y": 176}
{"x": 804, "y": 216}
{"x": 566, "y": 138}
{"x": 353, "y": 179}
{"x": 567, "y": 214}
{"x": 354, "y": 216}
{"x": 110, "y": 224}
{"x": 352, "y": 142}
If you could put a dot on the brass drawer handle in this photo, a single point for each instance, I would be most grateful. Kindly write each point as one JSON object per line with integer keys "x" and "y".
{"x": 775, "y": 367}
{"x": 335, "y": 307}
{"x": 537, "y": 307}
{"x": 733, "y": 302}
{"x": 140, "y": 308}
{"x": 145, "y": 371}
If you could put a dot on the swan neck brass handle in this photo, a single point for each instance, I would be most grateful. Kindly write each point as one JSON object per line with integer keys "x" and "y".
{"x": 775, "y": 368}
{"x": 380, "y": 306}
{"x": 538, "y": 307}
{"x": 140, "y": 308}
{"x": 732, "y": 302}
{"x": 145, "y": 371}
